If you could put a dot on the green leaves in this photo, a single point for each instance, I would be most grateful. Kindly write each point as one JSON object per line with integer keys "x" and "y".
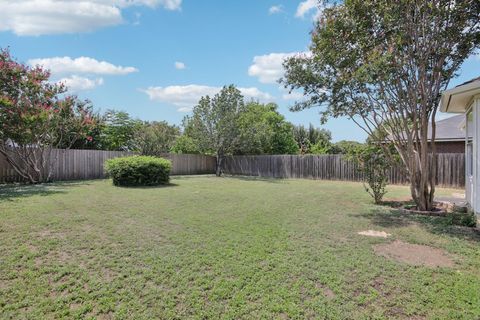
{"x": 313, "y": 140}
{"x": 214, "y": 123}
{"x": 384, "y": 64}
{"x": 155, "y": 138}
{"x": 374, "y": 164}
{"x": 118, "y": 131}
{"x": 138, "y": 171}
{"x": 361, "y": 49}
{"x": 263, "y": 130}
{"x": 35, "y": 117}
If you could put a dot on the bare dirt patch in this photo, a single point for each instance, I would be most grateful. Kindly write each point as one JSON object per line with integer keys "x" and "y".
{"x": 374, "y": 233}
{"x": 5, "y": 284}
{"x": 414, "y": 254}
{"x": 327, "y": 292}
{"x": 49, "y": 234}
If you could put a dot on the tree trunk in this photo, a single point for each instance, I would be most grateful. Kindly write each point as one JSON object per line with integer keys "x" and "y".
{"x": 25, "y": 161}
{"x": 219, "y": 165}
{"x": 422, "y": 182}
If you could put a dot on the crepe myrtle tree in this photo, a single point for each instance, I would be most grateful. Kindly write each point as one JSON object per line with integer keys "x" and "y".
{"x": 384, "y": 64}
{"x": 35, "y": 118}
{"x": 213, "y": 125}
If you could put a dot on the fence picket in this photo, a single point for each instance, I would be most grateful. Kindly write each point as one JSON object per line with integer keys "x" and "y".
{"x": 88, "y": 164}
{"x": 450, "y": 168}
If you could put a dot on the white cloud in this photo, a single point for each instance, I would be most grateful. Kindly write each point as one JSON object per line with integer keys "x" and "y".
{"x": 76, "y": 83}
{"x": 295, "y": 95}
{"x": 305, "y": 7}
{"x": 275, "y": 9}
{"x": 269, "y": 68}
{"x": 171, "y": 4}
{"x": 185, "y": 97}
{"x": 180, "y": 65}
{"x": 167, "y": 4}
{"x": 181, "y": 96}
{"x": 68, "y": 71}
{"x": 67, "y": 65}
{"x": 256, "y": 94}
{"x": 39, "y": 17}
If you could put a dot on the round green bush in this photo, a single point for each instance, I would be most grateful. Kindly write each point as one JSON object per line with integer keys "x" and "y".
{"x": 138, "y": 171}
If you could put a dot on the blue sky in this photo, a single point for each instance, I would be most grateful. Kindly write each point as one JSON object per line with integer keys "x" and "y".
{"x": 155, "y": 58}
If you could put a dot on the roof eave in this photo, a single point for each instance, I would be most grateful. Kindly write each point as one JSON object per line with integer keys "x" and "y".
{"x": 456, "y": 100}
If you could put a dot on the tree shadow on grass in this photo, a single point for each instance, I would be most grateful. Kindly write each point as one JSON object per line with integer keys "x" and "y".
{"x": 192, "y": 176}
{"x": 392, "y": 218}
{"x": 161, "y": 186}
{"x": 256, "y": 178}
{"x": 13, "y": 192}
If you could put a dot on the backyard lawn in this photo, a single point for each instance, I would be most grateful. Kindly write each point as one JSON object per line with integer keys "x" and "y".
{"x": 229, "y": 248}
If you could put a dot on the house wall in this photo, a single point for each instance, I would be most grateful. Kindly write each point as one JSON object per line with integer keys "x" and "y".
{"x": 476, "y": 155}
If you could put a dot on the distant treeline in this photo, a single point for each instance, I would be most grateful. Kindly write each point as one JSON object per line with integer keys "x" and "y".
{"x": 263, "y": 130}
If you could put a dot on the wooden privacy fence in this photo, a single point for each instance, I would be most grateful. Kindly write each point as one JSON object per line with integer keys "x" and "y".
{"x": 450, "y": 168}
{"x": 186, "y": 164}
{"x": 88, "y": 164}
{"x": 69, "y": 165}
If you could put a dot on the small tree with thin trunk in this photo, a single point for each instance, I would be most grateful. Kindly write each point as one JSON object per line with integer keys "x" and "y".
{"x": 35, "y": 119}
{"x": 214, "y": 124}
{"x": 374, "y": 164}
{"x": 384, "y": 65}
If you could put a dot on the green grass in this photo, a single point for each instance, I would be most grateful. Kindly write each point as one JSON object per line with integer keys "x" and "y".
{"x": 227, "y": 248}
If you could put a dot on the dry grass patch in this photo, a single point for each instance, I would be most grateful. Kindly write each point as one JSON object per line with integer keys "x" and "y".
{"x": 374, "y": 233}
{"x": 414, "y": 254}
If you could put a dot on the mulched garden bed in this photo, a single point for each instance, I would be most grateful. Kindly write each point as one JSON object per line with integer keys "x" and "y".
{"x": 459, "y": 215}
{"x": 437, "y": 211}
{"x": 440, "y": 208}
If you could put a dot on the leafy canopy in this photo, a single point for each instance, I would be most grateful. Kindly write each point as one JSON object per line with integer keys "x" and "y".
{"x": 263, "y": 130}
{"x": 34, "y": 111}
{"x": 214, "y": 122}
{"x": 384, "y": 65}
{"x": 37, "y": 116}
{"x": 313, "y": 140}
{"x": 155, "y": 138}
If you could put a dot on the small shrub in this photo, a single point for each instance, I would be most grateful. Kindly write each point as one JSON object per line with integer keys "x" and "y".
{"x": 374, "y": 164}
{"x": 138, "y": 171}
{"x": 467, "y": 219}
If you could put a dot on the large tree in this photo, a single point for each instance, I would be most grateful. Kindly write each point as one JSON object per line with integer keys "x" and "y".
{"x": 263, "y": 130}
{"x": 384, "y": 64}
{"x": 347, "y": 147}
{"x": 155, "y": 138}
{"x": 92, "y": 132}
{"x": 35, "y": 118}
{"x": 213, "y": 125}
{"x": 118, "y": 131}
{"x": 312, "y": 139}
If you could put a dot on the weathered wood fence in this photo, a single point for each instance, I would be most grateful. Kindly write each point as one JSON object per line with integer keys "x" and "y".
{"x": 450, "y": 168}
{"x": 187, "y": 164}
{"x": 88, "y": 164}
